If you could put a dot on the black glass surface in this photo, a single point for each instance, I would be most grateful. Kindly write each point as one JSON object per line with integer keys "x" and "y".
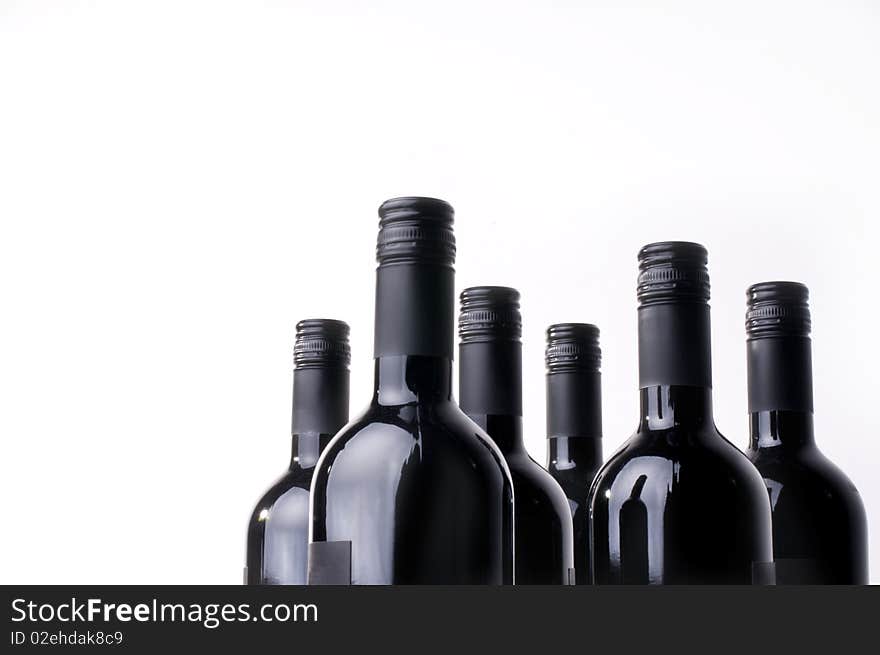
{"x": 278, "y": 529}
{"x": 819, "y": 523}
{"x": 418, "y": 490}
{"x": 573, "y": 462}
{"x": 678, "y": 503}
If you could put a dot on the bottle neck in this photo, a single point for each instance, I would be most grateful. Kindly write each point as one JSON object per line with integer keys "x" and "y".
{"x": 780, "y": 374}
{"x": 405, "y": 379}
{"x": 769, "y": 429}
{"x": 306, "y": 449}
{"x": 414, "y": 332}
{"x": 675, "y": 366}
{"x": 415, "y": 303}
{"x": 320, "y": 400}
{"x": 568, "y": 453}
{"x": 490, "y": 389}
{"x": 667, "y": 406}
{"x": 780, "y": 377}
{"x": 504, "y": 429}
{"x": 574, "y": 404}
{"x": 490, "y": 378}
{"x": 674, "y": 345}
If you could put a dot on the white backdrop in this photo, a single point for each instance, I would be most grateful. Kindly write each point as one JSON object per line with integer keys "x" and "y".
{"x": 180, "y": 181}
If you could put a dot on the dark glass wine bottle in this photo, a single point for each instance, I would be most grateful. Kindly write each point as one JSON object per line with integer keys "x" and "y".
{"x": 278, "y": 531}
{"x": 574, "y": 424}
{"x": 819, "y": 523}
{"x": 678, "y": 503}
{"x": 490, "y": 392}
{"x": 413, "y": 491}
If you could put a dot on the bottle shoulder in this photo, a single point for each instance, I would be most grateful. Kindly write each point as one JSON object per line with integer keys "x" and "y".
{"x": 533, "y": 479}
{"x": 576, "y": 476}
{"x": 423, "y": 420}
{"x": 289, "y": 490}
{"x": 575, "y": 483}
{"x": 706, "y": 458}
{"x": 389, "y": 436}
{"x": 806, "y": 461}
{"x": 806, "y": 472}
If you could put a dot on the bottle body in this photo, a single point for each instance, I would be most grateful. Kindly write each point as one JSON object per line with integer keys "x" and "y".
{"x": 543, "y": 526}
{"x": 490, "y": 393}
{"x": 574, "y": 425}
{"x": 820, "y": 533}
{"x": 413, "y": 491}
{"x": 819, "y": 521}
{"x": 573, "y": 462}
{"x": 544, "y": 535}
{"x": 278, "y": 529}
{"x": 418, "y": 493}
{"x": 678, "y": 504}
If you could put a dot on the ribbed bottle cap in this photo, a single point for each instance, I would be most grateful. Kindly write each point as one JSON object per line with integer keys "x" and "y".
{"x": 489, "y": 314}
{"x": 777, "y": 309}
{"x": 573, "y": 347}
{"x": 415, "y": 229}
{"x": 321, "y": 343}
{"x": 673, "y": 271}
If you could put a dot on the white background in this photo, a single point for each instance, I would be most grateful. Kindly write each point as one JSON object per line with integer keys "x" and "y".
{"x": 180, "y": 181}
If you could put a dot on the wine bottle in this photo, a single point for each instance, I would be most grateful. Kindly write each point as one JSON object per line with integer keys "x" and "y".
{"x": 490, "y": 392}
{"x": 819, "y": 523}
{"x": 574, "y": 424}
{"x": 412, "y": 491}
{"x": 278, "y": 531}
{"x": 678, "y": 503}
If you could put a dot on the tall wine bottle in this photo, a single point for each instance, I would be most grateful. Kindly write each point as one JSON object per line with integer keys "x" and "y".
{"x": 278, "y": 530}
{"x": 490, "y": 392}
{"x": 412, "y": 491}
{"x": 678, "y": 504}
{"x": 574, "y": 424}
{"x": 819, "y": 523}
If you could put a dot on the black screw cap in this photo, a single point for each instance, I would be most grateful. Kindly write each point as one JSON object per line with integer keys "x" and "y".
{"x": 414, "y": 229}
{"x": 321, "y": 343}
{"x": 673, "y": 271}
{"x": 777, "y": 309}
{"x": 489, "y": 314}
{"x": 573, "y": 347}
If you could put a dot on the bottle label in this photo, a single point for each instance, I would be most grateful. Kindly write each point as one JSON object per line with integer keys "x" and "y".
{"x": 329, "y": 563}
{"x": 763, "y": 573}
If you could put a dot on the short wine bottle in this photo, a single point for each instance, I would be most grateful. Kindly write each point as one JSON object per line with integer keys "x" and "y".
{"x": 278, "y": 531}
{"x": 819, "y": 523}
{"x": 574, "y": 425}
{"x": 678, "y": 503}
{"x": 490, "y": 392}
{"x": 413, "y": 491}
